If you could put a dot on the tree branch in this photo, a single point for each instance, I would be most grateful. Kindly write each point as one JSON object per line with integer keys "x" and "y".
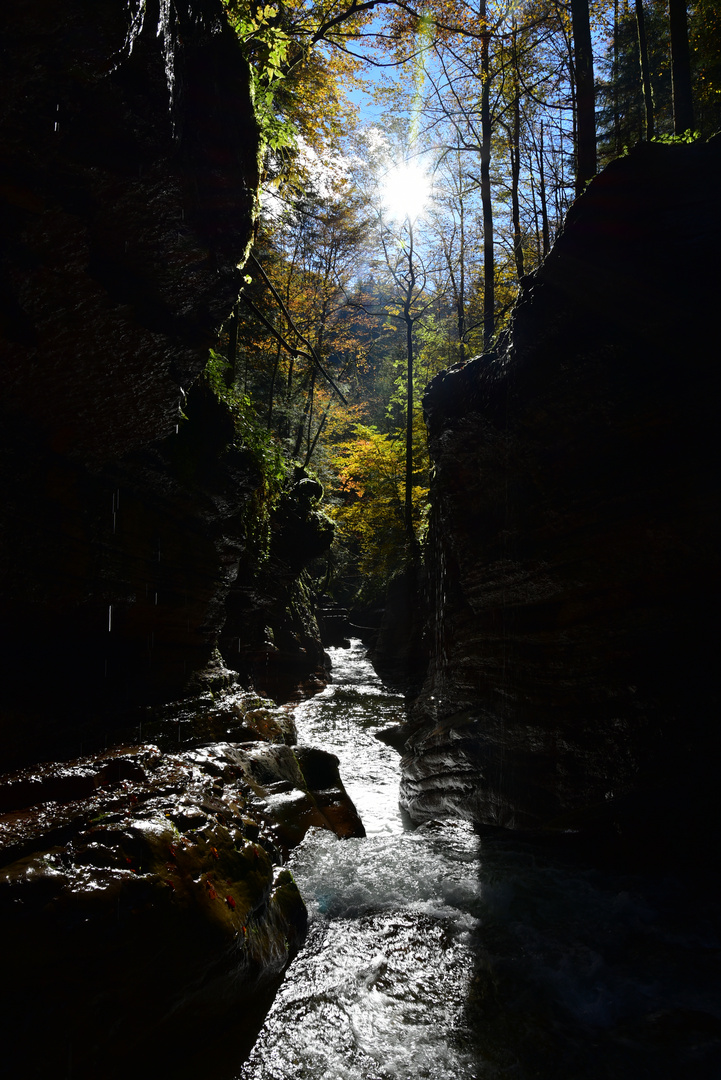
{"x": 311, "y": 353}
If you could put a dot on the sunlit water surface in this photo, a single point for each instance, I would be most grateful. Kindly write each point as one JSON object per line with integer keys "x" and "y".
{"x": 429, "y": 956}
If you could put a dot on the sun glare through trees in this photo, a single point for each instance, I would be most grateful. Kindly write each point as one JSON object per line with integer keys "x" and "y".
{"x": 406, "y": 191}
{"x": 419, "y": 161}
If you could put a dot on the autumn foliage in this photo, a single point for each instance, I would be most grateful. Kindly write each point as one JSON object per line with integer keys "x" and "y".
{"x": 345, "y": 315}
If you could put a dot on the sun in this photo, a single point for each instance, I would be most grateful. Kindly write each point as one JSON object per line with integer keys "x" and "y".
{"x": 406, "y": 191}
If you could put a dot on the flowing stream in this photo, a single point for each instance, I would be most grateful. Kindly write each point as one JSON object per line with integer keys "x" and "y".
{"x": 434, "y": 954}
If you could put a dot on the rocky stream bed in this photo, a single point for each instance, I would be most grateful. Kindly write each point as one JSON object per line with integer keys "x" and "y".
{"x": 143, "y": 893}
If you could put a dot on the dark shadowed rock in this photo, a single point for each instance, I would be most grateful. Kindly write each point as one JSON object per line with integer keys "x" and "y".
{"x": 334, "y": 624}
{"x": 127, "y": 192}
{"x": 576, "y": 530}
{"x": 320, "y": 770}
{"x": 271, "y": 634}
{"x": 124, "y": 214}
{"x": 399, "y": 651}
{"x": 124, "y": 210}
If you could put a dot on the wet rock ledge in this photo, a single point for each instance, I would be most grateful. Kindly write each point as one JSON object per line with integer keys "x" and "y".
{"x": 144, "y": 904}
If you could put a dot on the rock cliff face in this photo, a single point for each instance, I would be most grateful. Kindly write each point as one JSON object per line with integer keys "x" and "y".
{"x": 129, "y": 175}
{"x": 271, "y": 634}
{"x": 129, "y": 167}
{"x": 576, "y": 531}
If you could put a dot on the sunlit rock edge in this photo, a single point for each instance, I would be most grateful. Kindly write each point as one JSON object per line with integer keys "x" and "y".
{"x": 143, "y": 889}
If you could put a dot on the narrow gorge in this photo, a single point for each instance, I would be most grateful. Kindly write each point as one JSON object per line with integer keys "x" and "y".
{"x": 170, "y": 814}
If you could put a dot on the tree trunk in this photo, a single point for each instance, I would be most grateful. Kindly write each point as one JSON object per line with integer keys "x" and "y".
{"x": 680, "y": 68}
{"x": 614, "y": 84}
{"x": 408, "y": 510}
{"x": 318, "y": 434}
{"x": 489, "y": 296}
{"x": 645, "y": 70}
{"x": 310, "y": 417}
{"x": 456, "y": 264}
{"x": 408, "y": 514}
{"x": 300, "y": 429}
{"x": 562, "y": 127}
{"x": 585, "y": 95}
{"x": 461, "y": 298}
{"x": 271, "y": 393}
{"x": 516, "y": 162}
{"x": 536, "y": 212}
{"x": 542, "y": 196}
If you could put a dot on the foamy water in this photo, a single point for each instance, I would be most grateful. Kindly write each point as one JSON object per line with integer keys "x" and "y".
{"x": 380, "y": 987}
{"x": 433, "y": 955}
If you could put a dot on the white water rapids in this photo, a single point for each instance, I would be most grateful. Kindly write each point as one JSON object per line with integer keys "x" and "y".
{"x": 433, "y": 955}
{"x": 380, "y": 986}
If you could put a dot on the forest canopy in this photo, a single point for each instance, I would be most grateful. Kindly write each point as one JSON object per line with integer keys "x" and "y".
{"x": 391, "y": 240}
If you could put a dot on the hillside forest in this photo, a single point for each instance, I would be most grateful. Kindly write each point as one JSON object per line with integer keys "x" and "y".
{"x": 418, "y": 161}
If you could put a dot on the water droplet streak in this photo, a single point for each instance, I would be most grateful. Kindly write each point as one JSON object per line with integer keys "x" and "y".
{"x": 166, "y": 30}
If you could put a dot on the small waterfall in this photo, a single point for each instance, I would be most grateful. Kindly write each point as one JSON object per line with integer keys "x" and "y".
{"x": 167, "y": 31}
{"x": 136, "y": 9}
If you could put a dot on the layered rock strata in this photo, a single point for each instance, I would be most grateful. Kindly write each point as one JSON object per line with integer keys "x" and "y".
{"x": 575, "y": 566}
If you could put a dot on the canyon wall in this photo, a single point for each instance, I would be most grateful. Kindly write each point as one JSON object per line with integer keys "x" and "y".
{"x": 575, "y": 545}
{"x": 145, "y": 565}
{"x": 128, "y": 177}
